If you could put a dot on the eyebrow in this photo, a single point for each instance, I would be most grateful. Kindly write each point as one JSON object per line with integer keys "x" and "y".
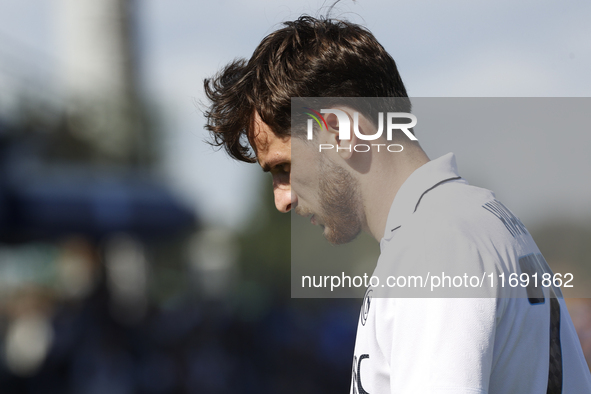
{"x": 267, "y": 167}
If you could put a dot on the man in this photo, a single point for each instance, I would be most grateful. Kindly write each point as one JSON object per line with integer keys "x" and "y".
{"x": 422, "y": 213}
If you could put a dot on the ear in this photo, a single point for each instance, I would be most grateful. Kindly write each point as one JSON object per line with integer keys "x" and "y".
{"x": 344, "y": 147}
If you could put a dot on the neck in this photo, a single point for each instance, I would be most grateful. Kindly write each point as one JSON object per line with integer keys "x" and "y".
{"x": 381, "y": 184}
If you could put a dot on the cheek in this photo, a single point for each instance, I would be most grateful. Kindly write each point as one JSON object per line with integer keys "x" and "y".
{"x": 305, "y": 190}
{"x": 304, "y": 163}
{"x": 304, "y": 175}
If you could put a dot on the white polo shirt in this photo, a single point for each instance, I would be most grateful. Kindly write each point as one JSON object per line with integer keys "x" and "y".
{"x": 498, "y": 345}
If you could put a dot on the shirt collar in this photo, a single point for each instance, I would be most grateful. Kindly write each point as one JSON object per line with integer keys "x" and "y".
{"x": 422, "y": 180}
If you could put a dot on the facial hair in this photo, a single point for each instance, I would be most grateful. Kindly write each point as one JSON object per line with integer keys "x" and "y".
{"x": 340, "y": 201}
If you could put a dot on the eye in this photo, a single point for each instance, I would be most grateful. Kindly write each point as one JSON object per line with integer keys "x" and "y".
{"x": 281, "y": 174}
{"x": 281, "y": 168}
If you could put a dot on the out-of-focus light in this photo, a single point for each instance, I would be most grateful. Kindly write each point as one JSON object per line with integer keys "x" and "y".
{"x": 76, "y": 268}
{"x": 27, "y": 342}
{"x": 127, "y": 277}
{"x": 212, "y": 255}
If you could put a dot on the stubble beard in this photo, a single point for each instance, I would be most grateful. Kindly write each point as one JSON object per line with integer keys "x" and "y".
{"x": 340, "y": 200}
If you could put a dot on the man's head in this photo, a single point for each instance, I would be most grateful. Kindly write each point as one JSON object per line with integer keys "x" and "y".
{"x": 251, "y": 105}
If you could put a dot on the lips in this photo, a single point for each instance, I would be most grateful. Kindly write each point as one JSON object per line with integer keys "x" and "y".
{"x": 306, "y": 214}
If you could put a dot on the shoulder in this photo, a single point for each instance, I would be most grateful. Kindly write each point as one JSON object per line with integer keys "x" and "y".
{"x": 454, "y": 231}
{"x": 459, "y": 210}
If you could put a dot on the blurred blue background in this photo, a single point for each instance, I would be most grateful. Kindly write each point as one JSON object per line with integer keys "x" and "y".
{"x": 135, "y": 259}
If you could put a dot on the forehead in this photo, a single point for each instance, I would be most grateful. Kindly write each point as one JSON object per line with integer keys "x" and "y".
{"x": 270, "y": 148}
{"x": 261, "y": 133}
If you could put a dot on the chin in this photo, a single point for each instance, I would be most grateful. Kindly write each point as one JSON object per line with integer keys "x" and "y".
{"x": 340, "y": 237}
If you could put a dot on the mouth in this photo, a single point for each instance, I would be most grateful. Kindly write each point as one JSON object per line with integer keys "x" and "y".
{"x": 306, "y": 214}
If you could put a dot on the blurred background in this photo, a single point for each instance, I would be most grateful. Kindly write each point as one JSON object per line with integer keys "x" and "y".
{"x": 135, "y": 259}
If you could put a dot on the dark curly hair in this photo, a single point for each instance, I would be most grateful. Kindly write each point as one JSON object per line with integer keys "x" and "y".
{"x": 308, "y": 57}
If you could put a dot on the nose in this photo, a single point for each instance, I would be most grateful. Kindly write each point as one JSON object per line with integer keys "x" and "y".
{"x": 285, "y": 200}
